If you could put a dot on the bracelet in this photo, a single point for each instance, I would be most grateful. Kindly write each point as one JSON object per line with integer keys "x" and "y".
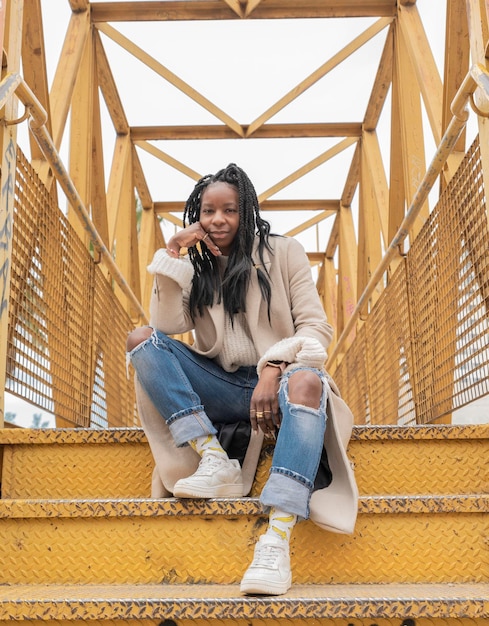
{"x": 281, "y": 365}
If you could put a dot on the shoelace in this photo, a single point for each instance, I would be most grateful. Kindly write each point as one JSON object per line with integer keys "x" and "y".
{"x": 208, "y": 464}
{"x": 267, "y": 556}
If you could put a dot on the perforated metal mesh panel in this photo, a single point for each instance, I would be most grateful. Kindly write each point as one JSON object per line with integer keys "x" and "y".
{"x": 67, "y": 329}
{"x": 426, "y": 350}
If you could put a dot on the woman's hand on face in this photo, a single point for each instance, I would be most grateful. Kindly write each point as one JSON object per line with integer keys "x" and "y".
{"x": 189, "y": 237}
{"x": 264, "y": 407}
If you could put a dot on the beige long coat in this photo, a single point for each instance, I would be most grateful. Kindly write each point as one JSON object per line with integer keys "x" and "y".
{"x": 296, "y": 311}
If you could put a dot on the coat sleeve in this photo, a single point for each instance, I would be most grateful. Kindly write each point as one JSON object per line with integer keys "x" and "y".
{"x": 306, "y": 307}
{"x": 169, "y": 304}
{"x": 312, "y": 333}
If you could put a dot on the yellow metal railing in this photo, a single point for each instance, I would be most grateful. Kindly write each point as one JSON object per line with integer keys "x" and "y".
{"x": 14, "y": 83}
{"x": 421, "y": 353}
{"x": 67, "y": 329}
{"x": 477, "y": 77}
{"x": 423, "y": 350}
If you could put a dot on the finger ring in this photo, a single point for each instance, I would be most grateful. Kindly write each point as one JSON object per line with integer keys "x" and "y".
{"x": 266, "y": 412}
{"x": 205, "y": 236}
{"x": 259, "y": 414}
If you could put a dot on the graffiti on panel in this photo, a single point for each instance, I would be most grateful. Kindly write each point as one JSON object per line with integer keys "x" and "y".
{"x": 6, "y": 199}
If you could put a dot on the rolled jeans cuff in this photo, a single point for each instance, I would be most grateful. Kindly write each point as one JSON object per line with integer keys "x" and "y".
{"x": 186, "y": 425}
{"x": 287, "y": 494}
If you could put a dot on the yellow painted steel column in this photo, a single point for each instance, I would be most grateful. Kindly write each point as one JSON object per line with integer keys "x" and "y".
{"x": 347, "y": 272}
{"x": 478, "y": 19}
{"x": 11, "y": 32}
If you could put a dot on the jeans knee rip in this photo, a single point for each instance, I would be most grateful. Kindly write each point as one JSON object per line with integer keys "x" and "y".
{"x": 141, "y": 346}
{"x": 296, "y": 408}
{"x": 132, "y": 352}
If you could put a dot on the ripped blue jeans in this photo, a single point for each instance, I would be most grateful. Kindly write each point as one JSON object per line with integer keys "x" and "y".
{"x": 192, "y": 393}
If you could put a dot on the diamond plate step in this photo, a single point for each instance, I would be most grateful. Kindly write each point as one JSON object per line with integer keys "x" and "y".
{"x": 424, "y": 539}
{"x": 301, "y": 604}
{"x": 76, "y": 463}
{"x": 59, "y": 463}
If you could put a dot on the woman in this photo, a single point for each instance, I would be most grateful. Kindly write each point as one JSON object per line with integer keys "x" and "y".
{"x": 260, "y": 339}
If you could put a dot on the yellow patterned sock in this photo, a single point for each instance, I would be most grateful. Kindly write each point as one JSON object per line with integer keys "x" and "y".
{"x": 208, "y": 443}
{"x": 281, "y": 524}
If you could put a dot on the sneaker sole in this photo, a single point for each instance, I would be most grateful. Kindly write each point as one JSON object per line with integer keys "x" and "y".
{"x": 262, "y": 587}
{"x": 221, "y": 491}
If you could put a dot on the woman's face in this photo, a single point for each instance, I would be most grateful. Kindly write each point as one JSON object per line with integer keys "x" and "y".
{"x": 219, "y": 214}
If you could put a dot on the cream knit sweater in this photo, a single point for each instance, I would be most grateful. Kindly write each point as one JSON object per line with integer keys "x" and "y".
{"x": 238, "y": 349}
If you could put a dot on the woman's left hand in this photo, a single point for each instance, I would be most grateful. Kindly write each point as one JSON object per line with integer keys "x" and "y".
{"x": 188, "y": 237}
{"x": 264, "y": 407}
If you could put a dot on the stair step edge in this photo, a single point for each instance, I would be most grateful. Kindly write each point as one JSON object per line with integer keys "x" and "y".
{"x": 33, "y": 436}
{"x": 150, "y": 507}
{"x": 92, "y": 602}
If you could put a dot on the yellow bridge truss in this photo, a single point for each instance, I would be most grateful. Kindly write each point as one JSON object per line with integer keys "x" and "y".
{"x": 403, "y": 275}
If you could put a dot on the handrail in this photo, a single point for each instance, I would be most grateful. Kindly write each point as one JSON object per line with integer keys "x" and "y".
{"x": 477, "y": 76}
{"x": 15, "y": 84}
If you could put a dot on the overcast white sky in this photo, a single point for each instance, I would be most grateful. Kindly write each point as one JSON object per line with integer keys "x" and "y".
{"x": 243, "y": 67}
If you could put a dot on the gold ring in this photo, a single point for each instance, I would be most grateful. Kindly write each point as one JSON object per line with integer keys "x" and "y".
{"x": 259, "y": 414}
{"x": 266, "y": 412}
{"x": 205, "y": 236}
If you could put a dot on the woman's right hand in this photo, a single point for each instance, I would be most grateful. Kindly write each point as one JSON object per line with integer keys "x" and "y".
{"x": 189, "y": 237}
{"x": 264, "y": 406}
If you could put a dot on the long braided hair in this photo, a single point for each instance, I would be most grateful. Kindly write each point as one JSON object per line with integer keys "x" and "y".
{"x": 207, "y": 285}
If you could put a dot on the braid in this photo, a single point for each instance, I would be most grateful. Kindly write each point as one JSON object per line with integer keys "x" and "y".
{"x": 207, "y": 287}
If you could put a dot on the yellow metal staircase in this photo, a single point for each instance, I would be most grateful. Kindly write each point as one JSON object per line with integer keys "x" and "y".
{"x": 82, "y": 541}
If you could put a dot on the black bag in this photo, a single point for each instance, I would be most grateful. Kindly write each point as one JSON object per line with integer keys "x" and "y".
{"x": 234, "y": 438}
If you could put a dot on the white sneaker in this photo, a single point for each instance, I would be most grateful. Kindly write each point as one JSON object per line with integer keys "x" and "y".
{"x": 270, "y": 571}
{"x": 215, "y": 477}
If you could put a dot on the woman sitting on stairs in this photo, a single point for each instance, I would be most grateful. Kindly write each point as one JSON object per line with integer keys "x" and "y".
{"x": 260, "y": 339}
